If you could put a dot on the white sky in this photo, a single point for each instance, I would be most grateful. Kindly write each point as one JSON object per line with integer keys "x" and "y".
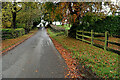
{"x": 116, "y": 2}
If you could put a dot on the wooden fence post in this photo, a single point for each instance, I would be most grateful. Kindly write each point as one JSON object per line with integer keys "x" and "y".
{"x": 67, "y": 32}
{"x": 82, "y": 35}
{"x": 76, "y": 35}
{"x": 91, "y": 37}
{"x": 106, "y": 40}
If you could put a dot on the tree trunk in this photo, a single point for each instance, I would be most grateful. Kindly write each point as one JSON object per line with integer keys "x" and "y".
{"x": 14, "y": 20}
{"x": 14, "y": 15}
{"x": 72, "y": 31}
{"x": 69, "y": 24}
{"x": 55, "y": 22}
{"x": 50, "y": 22}
{"x": 60, "y": 23}
{"x": 44, "y": 24}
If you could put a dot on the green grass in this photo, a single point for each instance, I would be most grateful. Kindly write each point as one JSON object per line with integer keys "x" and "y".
{"x": 66, "y": 26}
{"x": 103, "y": 63}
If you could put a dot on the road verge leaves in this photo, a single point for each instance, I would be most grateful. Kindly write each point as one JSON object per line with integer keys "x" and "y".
{"x": 11, "y": 43}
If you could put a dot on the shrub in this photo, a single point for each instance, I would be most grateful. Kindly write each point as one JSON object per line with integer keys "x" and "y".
{"x": 20, "y": 25}
{"x": 26, "y": 27}
{"x": 110, "y": 24}
{"x": 12, "y": 33}
{"x": 7, "y": 24}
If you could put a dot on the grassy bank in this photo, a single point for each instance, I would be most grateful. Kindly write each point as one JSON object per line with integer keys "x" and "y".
{"x": 103, "y": 63}
{"x": 66, "y": 26}
{"x": 9, "y": 42}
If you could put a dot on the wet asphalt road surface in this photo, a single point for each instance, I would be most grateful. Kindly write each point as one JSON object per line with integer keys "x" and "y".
{"x": 35, "y": 58}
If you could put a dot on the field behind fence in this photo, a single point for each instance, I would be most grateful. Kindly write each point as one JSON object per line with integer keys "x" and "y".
{"x": 93, "y": 39}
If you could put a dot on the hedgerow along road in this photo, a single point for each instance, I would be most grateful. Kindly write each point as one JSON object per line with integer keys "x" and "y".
{"x": 35, "y": 58}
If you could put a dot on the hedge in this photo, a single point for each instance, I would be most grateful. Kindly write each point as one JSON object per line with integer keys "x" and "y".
{"x": 12, "y": 33}
{"x": 110, "y": 24}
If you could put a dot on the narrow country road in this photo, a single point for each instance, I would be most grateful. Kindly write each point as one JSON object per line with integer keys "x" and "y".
{"x": 35, "y": 58}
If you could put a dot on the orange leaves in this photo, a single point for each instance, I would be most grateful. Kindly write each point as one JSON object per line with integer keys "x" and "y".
{"x": 71, "y": 63}
{"x": 78, "y": 13}
{"x": 62, "y": 4}
{"x": 111, "y": 72}
{"x": 36, "y": 70}
{"x": 74, "y": 16}
{"x": 10, "y": 43}
{"x": 113, "y": 64}
{"x": 91, "y": 57}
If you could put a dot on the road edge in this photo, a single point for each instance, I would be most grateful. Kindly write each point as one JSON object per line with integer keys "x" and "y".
{"x": 16, "y": 44}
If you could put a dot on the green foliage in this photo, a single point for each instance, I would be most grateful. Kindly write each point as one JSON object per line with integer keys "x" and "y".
{"x": 25, "y": 26}
{"x": 20, "y": 25}
{"x": 6, "y": 14}
{"x": 67, "y": 27}
{"x": 37, "y": 20}
{"x": 12, "y": 33}
{"x": 50, "y": 12}
{"x": 110, "y": 24}
{"x": 56, "y": 33}
{"x": 90, "y": 18}
{"x": 26, "y": 15}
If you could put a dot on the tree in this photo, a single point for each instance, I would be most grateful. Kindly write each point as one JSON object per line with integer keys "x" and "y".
{"x": 10, "y": 10}
{"x": 76, "y": 11}
{"x": 14, "y": 12}
{"x": 21, "y": 14}
{"x": 6, "y": 15}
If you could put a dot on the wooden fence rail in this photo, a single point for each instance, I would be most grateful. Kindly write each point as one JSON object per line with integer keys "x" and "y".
{"x": 91, "y": 36}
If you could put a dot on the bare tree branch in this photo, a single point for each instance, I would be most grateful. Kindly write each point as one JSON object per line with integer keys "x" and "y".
{"x": 19, "y": 9}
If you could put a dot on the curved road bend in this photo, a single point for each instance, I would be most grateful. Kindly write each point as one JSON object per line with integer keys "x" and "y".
{"x": 35, "y": 58}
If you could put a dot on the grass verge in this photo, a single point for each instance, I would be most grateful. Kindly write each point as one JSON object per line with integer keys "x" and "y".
{"x": 66, "y": 26}
{"x": 104, "y": 63}
{"x": 9, "y": 42}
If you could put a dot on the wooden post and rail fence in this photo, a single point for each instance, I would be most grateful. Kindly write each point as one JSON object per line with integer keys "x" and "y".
{"x": 81, "y": 33}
